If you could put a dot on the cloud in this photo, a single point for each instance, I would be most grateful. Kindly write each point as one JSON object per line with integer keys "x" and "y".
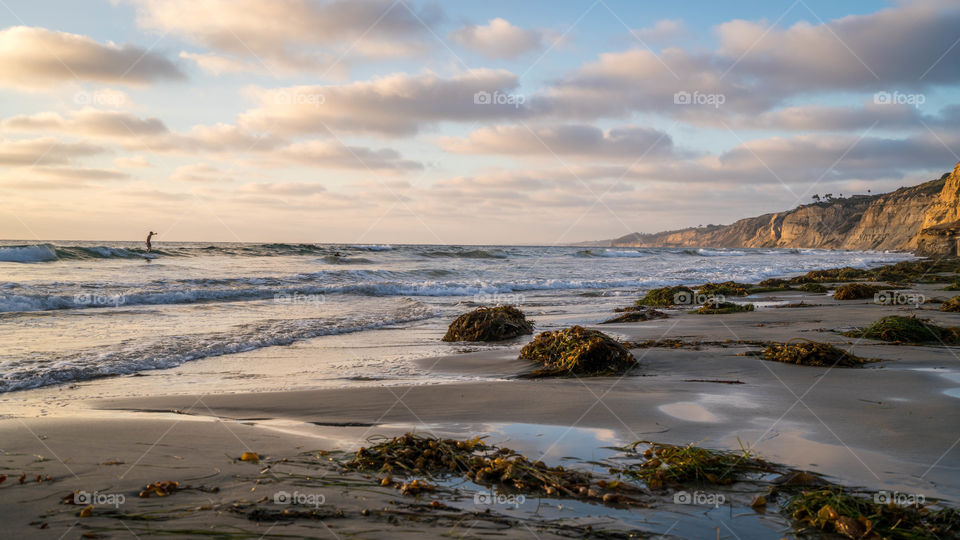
{"x": 35, "y": 58}
{"x": 333, "y": 155}
{"x": 86, "y": 123}
{"x": 663, "y": 31}
{"x": 758, "y": 68}
{"x": 200, "y": 173}
{"x": 289, "y": 36}
{"x": 44, "y": 151}
{"x": 400, "y": 104}
{"x": 628, "y": 142}
{"x": 132, "y": 162}
{"x": 499, "y": 39}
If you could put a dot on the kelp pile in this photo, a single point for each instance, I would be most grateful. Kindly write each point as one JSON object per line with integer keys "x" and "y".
{"x": 489, "y": 324}
{"x": 727, "y": 288}
{"x": 952, "y": 304}
{"x": 716, "y": 307}
{"x": 577, "y": 351}
{"x": 668, "y": 465}
{"x": 834, "y": 511}
{"x": 415, "y": 455}
{"x": 899, "y": 329}
{"x": 813, "y": 287}
{"x": 636, "y": 314}
{"x": 955, "y": 286}
{"x": 855, "y": 291}
{"x": 830, "y": 275}
{"x": 926, "y": 270}
{"x": 665, "y": 296}
{"x": 811, "y": 353}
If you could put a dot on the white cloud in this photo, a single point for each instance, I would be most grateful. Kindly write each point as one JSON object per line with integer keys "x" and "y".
{"x": 663, "y": 31}
{"x": 32, "y": 58}
{"x": 628, "y": 142}
{"x": 499, "y": 39}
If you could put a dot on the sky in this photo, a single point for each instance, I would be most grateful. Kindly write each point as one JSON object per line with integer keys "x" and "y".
{"x": 495, "y": 122}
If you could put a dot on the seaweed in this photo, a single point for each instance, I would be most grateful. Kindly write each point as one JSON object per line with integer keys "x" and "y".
{"x": 665, "y": 296}
{"x": 831, "y": 275}
{"x": 832, "y": 510}
{"x": 813, "y": 287}
{"x": 899, "y": 329}
{"x": 577, "y": 351}
{"x": 952, "y": 304}
{"x": 727, "y": 288}
{"x": 715, "y": 307}
{"x": 670, "y": 465}
{"x": 811, "y": 353}
{"x": 775, "y": 283}
{"x": 488, "y": 465}
{"x": 637, "y": 315}
{"x": 855, "y": 291}
{"x": 489, "y": 324}
{"x": 955, "y": 286}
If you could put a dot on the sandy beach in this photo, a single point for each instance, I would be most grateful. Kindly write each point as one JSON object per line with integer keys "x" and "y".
{"x": 888, "y": 427}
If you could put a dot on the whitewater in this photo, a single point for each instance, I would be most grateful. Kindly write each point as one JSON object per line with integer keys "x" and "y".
{"x": 74, "y": 311}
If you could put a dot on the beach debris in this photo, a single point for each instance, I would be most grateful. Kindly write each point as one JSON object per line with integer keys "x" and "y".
{"x": 250, "y": 456}
{"x": 800, "y": 304}
{"x": 952, "y": 304}
{"x": 668, "y": 465}
{"x": 489, "y": 324}
{"x": 846, "y": 273}
{"x": 484, "y": 464}
{"x": 813, "y": 287}
{"x": 715, "y": 306}
{"x": 727, "y": 288}
{"x": 160, "y": 489}
{"x": 811, "y": 353}
{"x": 855, "y": 291}
{"x": 667, "y": 296}
{"x": 636, "y": 314}
{"x": 833, "y": 510}
{"x": 577, "y": 351}
{"x": 774, "y": 283}
{"x": 899, "y": 329}
{"x": 87, "y": 512}
{"x": 955, "y": 286}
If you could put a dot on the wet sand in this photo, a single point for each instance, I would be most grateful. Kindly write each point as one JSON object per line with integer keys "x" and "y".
{"x": 891, "y": 425}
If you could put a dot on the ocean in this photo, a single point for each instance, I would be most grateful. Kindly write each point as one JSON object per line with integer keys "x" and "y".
{"x": 75, "y": 311}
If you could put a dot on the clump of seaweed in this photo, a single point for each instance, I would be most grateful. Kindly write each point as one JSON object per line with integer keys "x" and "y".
{"x": 727, "y": 288}
{"x": 855, "y": 291}
{"x": 665, "y": 296}
{"x": 489, "y": 324}
{"x": 811, "y": 353}
{"x": 716, "y": 307}
{"x": 952, "y": 304}
{"x": 813, "y": 287}
{"x": 834, "y": 511}
{"x": 955, "y": 286}
{"x": 577, "y": 351}
{"x": 832, "y": 275}
{"x": 412, "y": 454}
{"x": 775, "y": 283}
{"x": 897, "y": 328}
{"x": 636, "y": 314}
{"x": 670, "y": 465}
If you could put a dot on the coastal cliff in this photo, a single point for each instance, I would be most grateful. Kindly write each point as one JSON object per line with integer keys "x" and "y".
{"x": 924, "y": 218}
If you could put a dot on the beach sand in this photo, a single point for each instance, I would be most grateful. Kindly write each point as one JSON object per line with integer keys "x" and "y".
{"x": 891, "y": 425}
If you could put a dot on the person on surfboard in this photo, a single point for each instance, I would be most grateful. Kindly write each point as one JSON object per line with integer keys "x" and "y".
{"x": 150, "y": 247}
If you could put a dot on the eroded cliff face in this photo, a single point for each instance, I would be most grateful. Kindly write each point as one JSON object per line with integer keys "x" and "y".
{"x": 917, "y": 218}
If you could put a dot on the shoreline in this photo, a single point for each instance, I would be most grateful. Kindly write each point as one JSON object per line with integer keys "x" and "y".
{"x": 889, "y": 425}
